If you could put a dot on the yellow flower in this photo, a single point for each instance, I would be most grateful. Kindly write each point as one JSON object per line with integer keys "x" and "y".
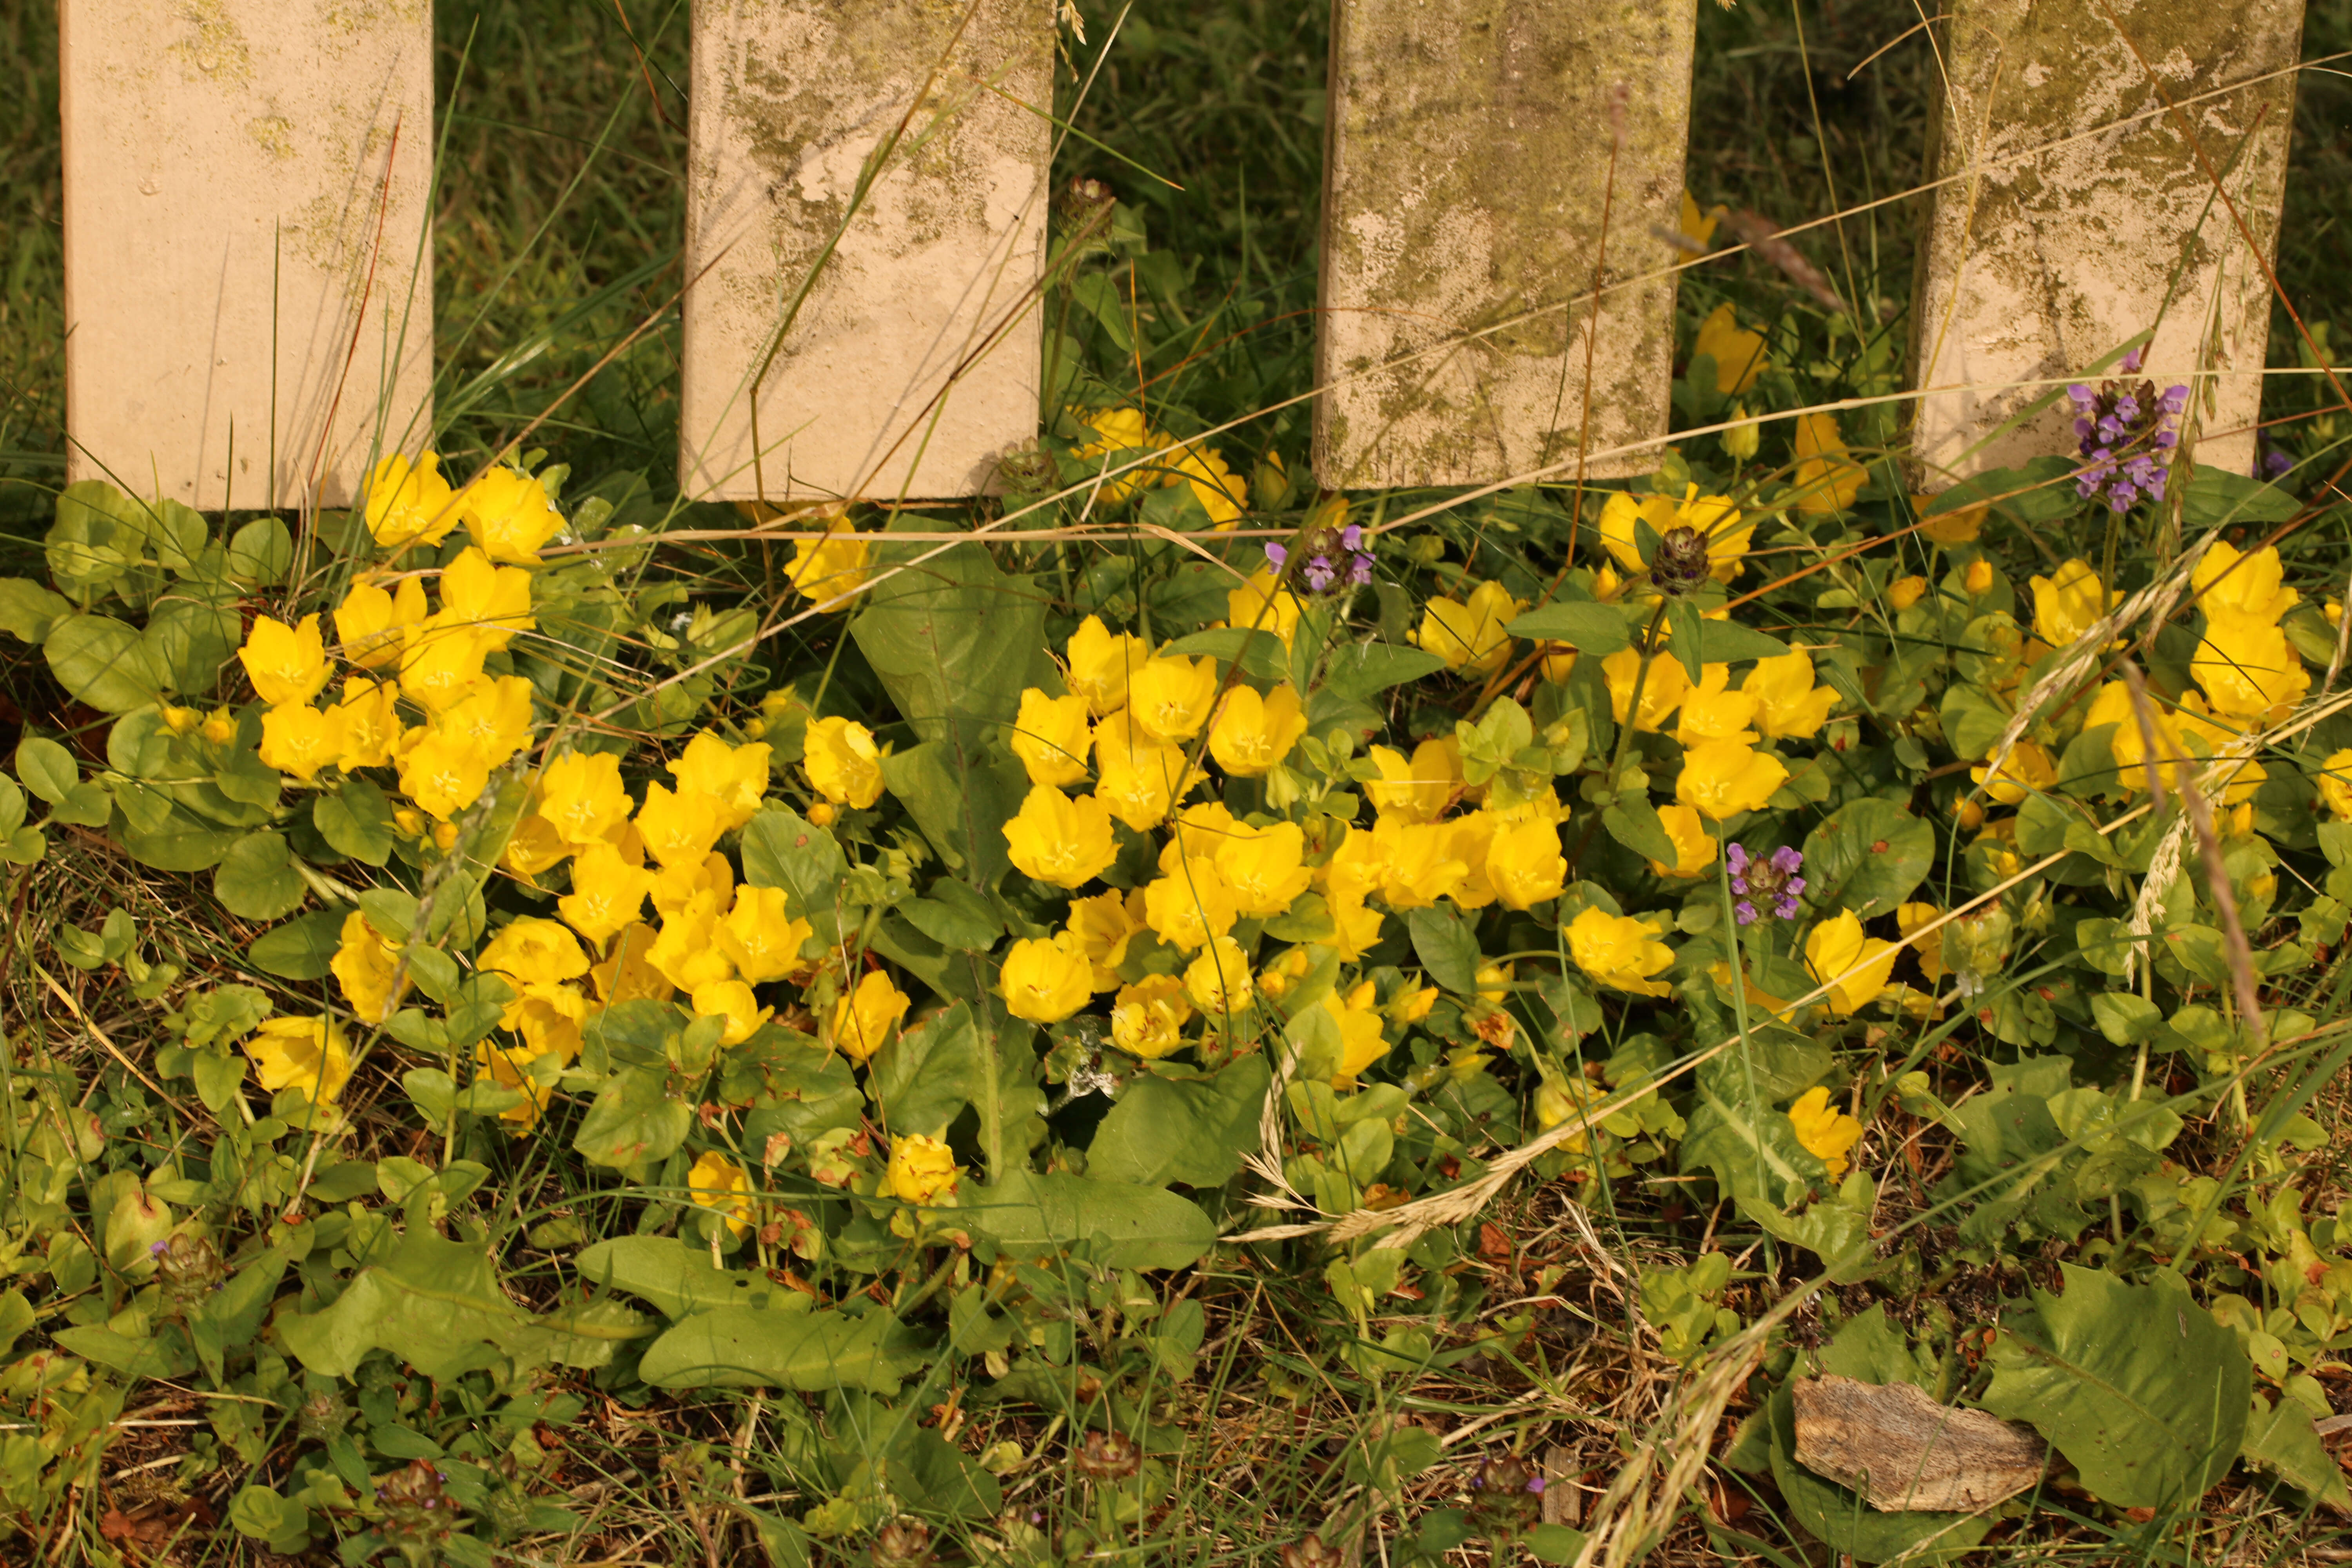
{"x": 439, "y": 665}
{"x": 2248, "y": 668}
{"x": 1266, "y": 871}
{"x": 369, "y": 621}
{"x": 1699, "y": 226}
{"x": 1827, "y": 479}
{"x": 2069, "y": 602}
{"x": 1958, "y": 526}
{"x": 286, "y": 664}
{"x": 1120, "y": 436}
{"x": 494, "y": 719}
{"x": 408, "y": 504}
{"x": 368, "y": 723}
{"x": 1693, "y": 846}
{"x": 1104, "y": 926}
{"x": 825, "y": 569}
{"x": 1714, "y": 518}
{"x": 1223, "y": 494}
{"x": 1906, "y": 592}
{"x": 843, "y": 763}
{"x": 1978, "y": 579}
{"x": 219, "y": 727}
{"x": 607, "y": 893}
{"x": 364, "y": 964}
{"x": 1710, "y": 712}
{"x": 735, "y": 778}
{"x": 1418, "y": 865}
{"x": 1059, "y": 840}
{"x": 1361, "y": 1042}
{"x": 1256, "y": 605}
{"x": 1827, "y": 1134}
{"x": 1911, "y": 917}
{"x": 534, "y": 951}
{"x": 581, "y": 793}
{"x": 546, "y": 1019}
{"x": 509, "y": 514}
{"x": 686, "y": 950}
{"x": 1618, "y": 951}
{"x": 1663, "y": 686}
{"x": 1525, "y": 865}
{"x": 1470, "y": 635}
{"x": 1837, "y": 945}
{"x": 731, "y": 1000}
{"x": 492, "y": 600}
{"x": 719, "y": 1183}
{"x": 1419, "y": 790}
{"x": 1189, "y": 905}
{"x": 1738, "y": 355}
{"x": 678, "y": 829}
{"x": 1723, "y": 778}
{"x": 442, "y": 773}
{"x": 1218, "y": 981}
{"x": 1199, "y": 829}
{"x": 1558, "y": 661}
{"x": 1051, "y": 736}
{"x": 864, "y": 1020}
{"x": 759, "y": 936}
{"x": 922, "y": 1169}
{"x": 2335, "y": 784}
{"x": 1168, "y": 698}
{"x": 1252, "y": 733}
{"x": 1789, "y": 706}
{"x": 1046, "y": 979}
{"x": 1148, "y": 1019}
{"x": 308, "y": 1054}
{"x": 705, "y": 885}
{"x": 1137, "y": 781}
{"x": 2027, "y": 769}
{"x": 2228, "y": 584}
{"x": 298, "y": 739}
{"x": 1101, "y": 663}
{"x": 629, "y": 973}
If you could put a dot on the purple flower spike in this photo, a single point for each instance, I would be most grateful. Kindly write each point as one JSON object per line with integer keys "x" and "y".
{"x": 1772, "y": 883}
{"x": 2133, "y": 359}
{"x": 2123, "y": 430}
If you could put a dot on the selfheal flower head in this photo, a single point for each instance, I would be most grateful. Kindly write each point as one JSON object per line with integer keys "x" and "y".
{"x": 1770, "y": 882}
{"x": 2120, "y": 429}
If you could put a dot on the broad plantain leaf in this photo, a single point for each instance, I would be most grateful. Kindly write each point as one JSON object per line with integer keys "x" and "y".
{"x": 1144, "y": 1228}
{"x": 780, "y": 1347}
{"x": 1190, "y": 1131}
{"x": 1868, "y": 857}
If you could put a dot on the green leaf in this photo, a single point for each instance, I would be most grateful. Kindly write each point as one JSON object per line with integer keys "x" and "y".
{"x": 1192, "y": 1130}
{"x": 1142, "y": 1228}
{"x": 2281, "y": 1441}
{"x": 2136, "y": 1384}
{"x": 261, "y": 552}
{"x": 355, "y": 820}
{"x": 955, "y": 917}
{"x": 1259, "y": 651}
{"x": 2216, "y": 496}
{"x": 187, "y": 641}
{"x": 1868, "y": 857}
{"x": 677, "y": 1279}
{"x": 1751, "y": 1148}
{"x": 1357, "y": 670}
{"x": 98, "y": 533}
{"x": 752, "y": 1347}
{"x": 930, "y": 1073}
{"x": 1633, "y": 822}
{"x": 256, "y": 880}
{"x": 1682, "y": 629}
{"x": 1588, "y": 627}
{"x": 635, "y": 1121}
{"x": 955, "y": 641}
{"x": 165, "y": 1354}
{"x": 27, "y": 610}
{"x": 1446, "y": 947}
{"x": 301, "y": 949}
{"x": 47, "y": 769}
{"x": 782, "y": 849}
{"x": 961, "y": 797}
{"x": 104, "y": 662}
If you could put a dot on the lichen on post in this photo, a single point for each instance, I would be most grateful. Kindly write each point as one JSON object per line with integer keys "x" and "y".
{"x": 883, "y": 342}
{"x": 2075, "y": 213}
{"x": 247, "y": 259}
{"x": 1475, "y": 148}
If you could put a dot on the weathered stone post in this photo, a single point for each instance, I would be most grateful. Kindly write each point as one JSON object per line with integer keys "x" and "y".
{"x": 248, "y": 252}
{"x": 2078, "y": 214}
{"x": 911, "y": 363}
{"x": 1470, "y": 168}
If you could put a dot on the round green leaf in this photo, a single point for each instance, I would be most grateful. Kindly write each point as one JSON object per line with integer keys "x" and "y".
{"x": 261, "y": 552}
{"x": 1868, "y": 858}
{"x": 47, "y": 768}
{"x": 256, "y": 880}
{"x": 103, "y": 662}
{"x": 301, "y": 949}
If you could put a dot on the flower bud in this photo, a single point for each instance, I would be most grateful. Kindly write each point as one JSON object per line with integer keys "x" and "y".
{"x": 1740, "y": 442}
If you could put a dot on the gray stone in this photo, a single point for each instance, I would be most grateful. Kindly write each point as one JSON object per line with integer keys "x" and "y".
{"x": 226, "y": 193}
{"x": 2053, "y": 247}
{"x": 1469, "y": 154}
{"x": 912, "y": 363}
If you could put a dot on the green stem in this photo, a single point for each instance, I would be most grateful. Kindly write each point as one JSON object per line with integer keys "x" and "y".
{"x": 1633, "y": 702}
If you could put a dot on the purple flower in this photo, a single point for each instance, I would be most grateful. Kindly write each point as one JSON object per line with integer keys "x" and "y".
{"x": 1278, "y": 556}
{"x": 2121, "y": 428}
{"x": 1771, "y": 882}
